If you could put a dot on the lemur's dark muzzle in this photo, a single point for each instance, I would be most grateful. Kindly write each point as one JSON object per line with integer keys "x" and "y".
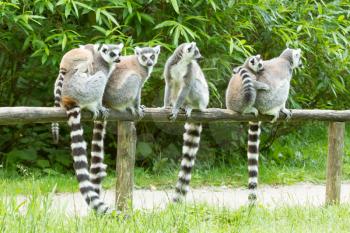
{"x": 117, "y": 60}
{"x": 149, "y": 63}
{"x": 199, "y": 58}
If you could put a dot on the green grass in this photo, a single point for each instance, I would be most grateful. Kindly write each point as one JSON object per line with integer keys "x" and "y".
{"x": 40, "y": 217}
{"x": 298, "y": 157}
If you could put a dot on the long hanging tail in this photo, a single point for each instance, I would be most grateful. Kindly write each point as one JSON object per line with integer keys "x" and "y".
{"x": 247, "y": 86}
{"x": 80, "y": 164}
{"x": 253, "y": 158}
{"x": 55, "y": 128}
{"x": 190, "y": 147}
{"x": 98, "y": 168}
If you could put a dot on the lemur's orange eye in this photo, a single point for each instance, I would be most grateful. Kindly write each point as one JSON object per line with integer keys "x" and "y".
{"x": 144, "y": 58}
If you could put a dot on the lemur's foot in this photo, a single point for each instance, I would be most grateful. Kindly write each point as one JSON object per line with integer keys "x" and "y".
{"x": 173, "y": 114}
{"x": 251, "y": 110}
{"x": 287, "y": 112}
{"x": 104, "y": 112}
{"x": 188, "y": 112}
{"x": 96, "y": 114}
{"x": 142, "y": 107}
{"x": 140, "y": 112}
{"x": 275, "y": 117}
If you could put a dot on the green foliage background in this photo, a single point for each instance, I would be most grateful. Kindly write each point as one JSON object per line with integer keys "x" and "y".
{"x": 35, "y": 34}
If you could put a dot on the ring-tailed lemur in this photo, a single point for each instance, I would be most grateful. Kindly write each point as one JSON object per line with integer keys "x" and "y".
{"x": 123, "y": 92}
{"x": 185, "y": 86}
{"x": 80, "y": 59}
{"x": 242, "y": 88}
{"x": 277, "y": 74}
{"x": 81, "y": 90}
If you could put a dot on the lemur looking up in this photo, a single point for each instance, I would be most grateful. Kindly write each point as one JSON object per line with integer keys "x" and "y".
{"x": 242, "y": 88}
{"x": 186, "y": 87}
{"x": 277, "y": 74}
{"x": 81, "y": 90}
{"x": 123, "y": 92}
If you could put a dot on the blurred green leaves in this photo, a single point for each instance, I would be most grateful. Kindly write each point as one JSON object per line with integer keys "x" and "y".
{"x": 35, "y": 34}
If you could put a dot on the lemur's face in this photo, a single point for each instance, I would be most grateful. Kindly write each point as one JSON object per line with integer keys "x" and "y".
{"x": 256, "y": 63}
{"x": 147, "y": 56}
{"x": 191, "y": 52}
{"x": 297, "y": 62}
{"x": 111, "y": 53}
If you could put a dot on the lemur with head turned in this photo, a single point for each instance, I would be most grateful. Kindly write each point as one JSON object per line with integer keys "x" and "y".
{"x": 187, "y": 88}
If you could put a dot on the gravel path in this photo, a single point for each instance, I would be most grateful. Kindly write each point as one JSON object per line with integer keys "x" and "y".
{"x": 270, "y": 196}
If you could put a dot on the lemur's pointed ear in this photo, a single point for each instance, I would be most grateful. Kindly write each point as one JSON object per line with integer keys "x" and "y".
{"x": 137, "y": 50}
{"x": 97, "y": 47}
{"x": 258, "y": 56}
{"x": 120, "y": 46}
{"x": 157, "y": 49}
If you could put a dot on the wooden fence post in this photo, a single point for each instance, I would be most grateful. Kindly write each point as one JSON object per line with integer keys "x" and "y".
{"x": 125, "y": 163}
{"x": 334, "y": 161}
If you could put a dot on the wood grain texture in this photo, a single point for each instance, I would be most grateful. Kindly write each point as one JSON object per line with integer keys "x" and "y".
{"x": 334, "y": 161}
{"x": 125, "y": 164}
{"x": 26, "y": 115}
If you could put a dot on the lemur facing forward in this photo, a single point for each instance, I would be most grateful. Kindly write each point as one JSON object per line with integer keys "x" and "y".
{"x": 83, "y": 90}
{"x": 186, "y": 87}
{"x": 242, "y": 88}
{"x": 277, "y": 74}
{"x": 123, "y": 92}
{"x": 83, "y": 61}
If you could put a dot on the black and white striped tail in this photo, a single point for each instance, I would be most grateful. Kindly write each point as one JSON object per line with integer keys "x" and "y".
{"x": 247, "y": 85}
{"x": 55, "y": 128}
{"x": 190, "y": 147}
{"x": 253, "y": 158}
{"x": 98, "y": 168}
{"x": 80, "y": 163}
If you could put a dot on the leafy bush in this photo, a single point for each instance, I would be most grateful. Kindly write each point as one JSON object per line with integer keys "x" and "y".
{"x": 35, "y": 34}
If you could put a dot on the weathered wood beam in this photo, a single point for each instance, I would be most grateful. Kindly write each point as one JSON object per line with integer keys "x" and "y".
{"x": 17, "y": 115}
{"x": 334, "y": 161}
{"x": 125, "y": 164}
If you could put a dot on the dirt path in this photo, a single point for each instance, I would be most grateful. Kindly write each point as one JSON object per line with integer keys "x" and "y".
{"x": 270, "y": 196}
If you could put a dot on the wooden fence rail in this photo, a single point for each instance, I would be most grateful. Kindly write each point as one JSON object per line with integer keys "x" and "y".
{"x": 127, "y": 137}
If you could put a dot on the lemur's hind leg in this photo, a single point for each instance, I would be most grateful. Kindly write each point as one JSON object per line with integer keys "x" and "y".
{"x": 273, "y": 112}
{"x": 251, "y": 110}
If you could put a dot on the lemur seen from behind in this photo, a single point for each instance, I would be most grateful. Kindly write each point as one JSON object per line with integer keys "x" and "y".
{"x": 83, "y": 90}
{"x": 123, "y": 92}
{"x": 277, "y": 75}
{"x": 186, "y": 87}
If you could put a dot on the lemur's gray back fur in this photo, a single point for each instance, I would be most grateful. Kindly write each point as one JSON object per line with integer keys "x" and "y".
{"x": 277, "y": 74}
